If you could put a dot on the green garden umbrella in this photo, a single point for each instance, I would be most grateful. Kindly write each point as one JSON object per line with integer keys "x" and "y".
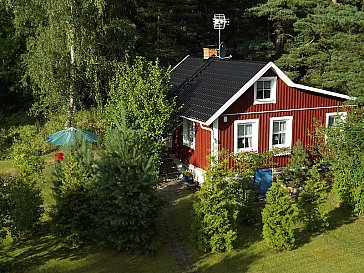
{"x": 68, "y": 136}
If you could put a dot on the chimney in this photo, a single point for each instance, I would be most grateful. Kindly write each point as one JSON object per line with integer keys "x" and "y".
{"x": 210, "y": 51}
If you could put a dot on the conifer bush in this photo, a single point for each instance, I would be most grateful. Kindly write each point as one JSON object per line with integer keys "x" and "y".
{"x": 311, "y": 201}
{"x": 226, "y": 195}
{"x": 124, "y": 191}
{"x": 216, "y": 211}
{"x": 279, "y": 217}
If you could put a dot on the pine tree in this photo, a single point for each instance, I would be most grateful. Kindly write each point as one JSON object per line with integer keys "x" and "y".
{"x": 328, "y": 50}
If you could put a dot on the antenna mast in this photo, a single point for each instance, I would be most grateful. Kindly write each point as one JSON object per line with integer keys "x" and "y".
{"x": 219, "y": 23}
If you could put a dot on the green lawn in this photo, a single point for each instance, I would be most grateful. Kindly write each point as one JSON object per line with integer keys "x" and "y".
{"x": 6, "y": 167}
{"x": 338, "y": 249}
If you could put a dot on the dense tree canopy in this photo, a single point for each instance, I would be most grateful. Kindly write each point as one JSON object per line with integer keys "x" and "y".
{"x": 71, "y": 48}
{"x": 329, "y": 50}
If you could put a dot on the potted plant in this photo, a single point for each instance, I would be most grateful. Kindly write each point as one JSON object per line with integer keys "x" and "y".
{"x": 187, "y": 176}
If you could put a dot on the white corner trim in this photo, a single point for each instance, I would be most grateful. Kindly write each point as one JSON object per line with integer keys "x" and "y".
{"x": 215, "y": 138}
{"x": 282, "y": 76}
{"x": 179, "y": 63}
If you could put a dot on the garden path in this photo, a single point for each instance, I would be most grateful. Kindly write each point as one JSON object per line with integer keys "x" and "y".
{"x": 172, "y": 191}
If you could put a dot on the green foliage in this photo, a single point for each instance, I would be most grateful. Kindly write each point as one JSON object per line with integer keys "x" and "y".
{"x": 142, "y": 91}
{"x": 226, "y": 194}
{"x": 279, "y": 217}
{"x": 216, "y": 211}
{"x": 20, "y": 206}
{"x": 72, "y": 212}
{"x": 28, "y": 153}
{"x": 328, "y": 49}
{"x": 312, "y": 199}
{"x": 280, "y": 15}
{"x": 13, "y": 97}
{"x": 124, "y": 191}
{"x": 296, "y": 172}
{"x": 72, "y": 49}
{"x": 345, "y": 143}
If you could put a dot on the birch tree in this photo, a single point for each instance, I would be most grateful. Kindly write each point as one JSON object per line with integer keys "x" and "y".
{"x": 72, "y": 49}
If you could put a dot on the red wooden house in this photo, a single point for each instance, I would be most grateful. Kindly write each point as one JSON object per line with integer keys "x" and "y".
{"x": 244, "y": 106}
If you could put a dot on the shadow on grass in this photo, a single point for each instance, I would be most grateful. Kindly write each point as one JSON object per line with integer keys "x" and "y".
{"x": 26, "y": 253}
{"x": 337, "y": 217}
{"x": 228, "y": 262}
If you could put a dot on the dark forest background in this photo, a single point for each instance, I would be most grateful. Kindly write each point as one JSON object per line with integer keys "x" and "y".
{"x": 316, "y": 42}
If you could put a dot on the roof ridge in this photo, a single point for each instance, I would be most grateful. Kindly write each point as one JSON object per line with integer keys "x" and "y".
{"x": 194, "y": 75}
{"x": 232, "y": 60}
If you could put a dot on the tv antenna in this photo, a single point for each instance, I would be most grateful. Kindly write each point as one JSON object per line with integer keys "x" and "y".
{"x": 220, "y": 21}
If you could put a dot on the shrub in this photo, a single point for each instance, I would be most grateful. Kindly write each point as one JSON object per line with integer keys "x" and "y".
{"x": 279, "y": 217}
{"x": 296, "y": 172}
{"x": 312, "y": 199}
{"x": 20, "y": 206}
{"x": 143, "y": 89}
{"x": 216, "y": 211}
{"x": 28, "y": 153}
{"x": 226, "y": 194}
{"x": 345, "y": 143}
{"x": 72, "y": 212}
{"x": 124, "y": 191}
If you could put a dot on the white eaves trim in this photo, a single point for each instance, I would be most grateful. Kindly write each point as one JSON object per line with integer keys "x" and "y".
{"x": 281, "y": 75}
{"x": 179, "y": 63}
{"x": 193, "y": 120}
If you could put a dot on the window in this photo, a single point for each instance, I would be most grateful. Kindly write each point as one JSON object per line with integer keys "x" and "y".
{"x": 246, "y": 135}
{"x": 265, "y": 90}
{"x": 280, "y": 132}
{"x": 189, "y": 133}
{"x": 334, "y": 118}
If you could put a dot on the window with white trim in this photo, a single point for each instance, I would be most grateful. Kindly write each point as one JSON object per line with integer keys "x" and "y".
{"x": 189, "y": 133}
{"x": 265, "y": 90}
{"x": 333, "y": 118}
{"x": 280, "y": 132}
{"x": 246, "y": 135}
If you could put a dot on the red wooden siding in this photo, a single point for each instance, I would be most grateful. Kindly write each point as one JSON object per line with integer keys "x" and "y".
{"x": 197, "y": 156}
{"x": 288, "y": 99}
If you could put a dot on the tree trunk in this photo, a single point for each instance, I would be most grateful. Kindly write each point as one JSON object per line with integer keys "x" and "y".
{"x": 71, "y": 102}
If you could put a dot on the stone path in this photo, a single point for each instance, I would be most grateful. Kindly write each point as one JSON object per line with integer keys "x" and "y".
{"x": 171, "y": 190}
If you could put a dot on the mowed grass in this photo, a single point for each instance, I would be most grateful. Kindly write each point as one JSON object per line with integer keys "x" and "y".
{"x": 6, "y": 167}
{"x": 339, "y": 248}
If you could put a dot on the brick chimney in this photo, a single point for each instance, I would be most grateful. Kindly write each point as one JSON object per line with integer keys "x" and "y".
{"x": 210, "y": 51}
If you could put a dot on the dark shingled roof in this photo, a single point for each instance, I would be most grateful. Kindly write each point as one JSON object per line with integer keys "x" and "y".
{"x": 202, "y": 86}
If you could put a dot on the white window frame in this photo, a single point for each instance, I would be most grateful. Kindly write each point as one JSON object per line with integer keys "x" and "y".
{"x": 273, "y": 90}
{"x": 341, "y": 114}
{"x": 186, "y": 133}
{"x": 288, "y": 142}
{"x": 255, "y": 134}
